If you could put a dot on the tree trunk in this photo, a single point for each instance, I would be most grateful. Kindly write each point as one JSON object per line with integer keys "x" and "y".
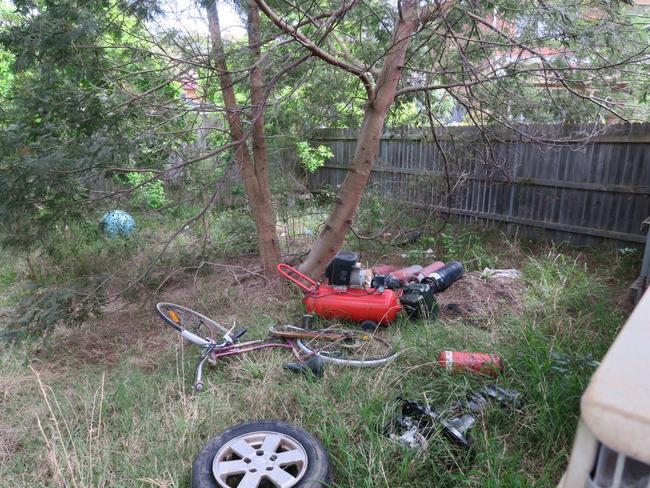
{"x": 256, "y": 179}
{"x": 267, "y": 234}
{"x": 349, "y": 196}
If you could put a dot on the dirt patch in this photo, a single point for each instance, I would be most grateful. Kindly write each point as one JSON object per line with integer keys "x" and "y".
{"x": 474, "y": 297}
{"x": 123, "y": 327}
{"x": 624, "y": 300}
{"x": 229, "y": 292}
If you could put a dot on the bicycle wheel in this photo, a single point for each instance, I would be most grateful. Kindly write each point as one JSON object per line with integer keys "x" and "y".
{"x": 193, "y": 326}
{"x": 340, "y": 346}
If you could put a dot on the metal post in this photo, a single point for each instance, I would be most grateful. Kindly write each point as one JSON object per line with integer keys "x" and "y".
{"x": 644, "y": 279}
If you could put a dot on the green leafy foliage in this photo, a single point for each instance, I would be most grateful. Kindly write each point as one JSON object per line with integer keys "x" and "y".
{"x": 312, "y": 158}
{"x": 64, "y": 123}
{"x": 147, "y": 191}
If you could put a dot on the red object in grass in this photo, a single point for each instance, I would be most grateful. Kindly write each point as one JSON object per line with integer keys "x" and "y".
{"x": 406, "y": 275}
{"x": 431, "y": 268}
{"x": 354, "y": 304}
{"x": 478, "y": 362}
{"x": 383, "y": 269}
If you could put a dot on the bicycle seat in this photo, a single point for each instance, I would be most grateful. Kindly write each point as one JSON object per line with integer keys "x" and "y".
{"x": 313, "y": 366}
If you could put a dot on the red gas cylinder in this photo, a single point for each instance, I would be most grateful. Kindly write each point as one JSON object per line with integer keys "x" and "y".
{"x": 355, "y": 304}
{"x": 383, "y": 269}
{"x": 479, "y": 362}
{"x": 431, "y": 268}
{"x": 405, "y": 275}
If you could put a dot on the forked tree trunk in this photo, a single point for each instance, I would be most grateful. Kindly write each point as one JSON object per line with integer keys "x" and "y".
{"x": 349, "y": 196}
{"x": 254, "y": 172}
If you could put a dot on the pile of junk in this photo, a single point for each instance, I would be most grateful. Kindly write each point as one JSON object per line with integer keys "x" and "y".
{"x": 376, "y": 296}
{"x": 272, "y": 452}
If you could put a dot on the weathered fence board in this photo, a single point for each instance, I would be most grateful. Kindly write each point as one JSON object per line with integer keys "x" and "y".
{"x": 576, "y": 183}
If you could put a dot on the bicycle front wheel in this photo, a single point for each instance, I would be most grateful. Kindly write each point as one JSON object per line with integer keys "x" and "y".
{"x": 344, "y": 347}
{"x": 192, "y": 325}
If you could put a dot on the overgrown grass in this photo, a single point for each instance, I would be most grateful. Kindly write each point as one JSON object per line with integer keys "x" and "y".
{"x": 138, "y": 423}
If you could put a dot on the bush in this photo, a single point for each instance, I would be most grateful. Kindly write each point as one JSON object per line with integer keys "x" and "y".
{"x": 152, "y": 194}
{"x": 312, "y": 158}
{"x": 234, "y": 232}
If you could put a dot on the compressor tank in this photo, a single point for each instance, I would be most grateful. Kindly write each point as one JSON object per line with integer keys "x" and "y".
{"x": 354, "y": 304}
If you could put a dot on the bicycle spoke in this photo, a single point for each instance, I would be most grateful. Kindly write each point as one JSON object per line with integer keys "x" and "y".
{"x": 184, "y": 319}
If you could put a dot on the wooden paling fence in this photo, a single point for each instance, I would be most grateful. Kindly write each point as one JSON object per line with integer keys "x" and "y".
{"x": 577, "y": 183}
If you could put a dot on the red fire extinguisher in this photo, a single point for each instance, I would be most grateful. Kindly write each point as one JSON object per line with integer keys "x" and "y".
{"x": 479, "y": 362}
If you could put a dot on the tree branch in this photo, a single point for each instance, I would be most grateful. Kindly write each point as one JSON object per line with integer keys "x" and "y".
{"x": 316, "y": 50}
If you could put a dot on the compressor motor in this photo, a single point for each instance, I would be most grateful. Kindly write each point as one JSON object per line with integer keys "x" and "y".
{"x": 345, "y": 271}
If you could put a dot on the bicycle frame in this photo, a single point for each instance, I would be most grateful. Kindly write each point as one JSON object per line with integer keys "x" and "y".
{"x": 212, "y": 352}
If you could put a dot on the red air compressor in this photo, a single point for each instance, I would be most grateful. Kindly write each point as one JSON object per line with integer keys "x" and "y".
{"x": 366, "y": 305}
{"x": 355, "y": 294}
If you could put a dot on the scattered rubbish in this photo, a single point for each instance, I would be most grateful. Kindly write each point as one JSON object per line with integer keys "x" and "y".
{"x": 310, "y": 347}
{"x": 357, "y": 294}
{"x": 414, "y": 423}
{"x": 444, "y": 277}
{"x": 500, "y": 273}
{"x": 419, "y": 302}
{"x": 381, "y": 282}
{"x": 563, "y": 363}
{"x": 407, "y": 274}
{"x": 312, "y": 367}
{"x": 345, "y": 270}
{"x": 431, "y": 268}
{"x": 479, "y": 362}
{"x": 383, "y": 269}
{"x": 347, "y": 302}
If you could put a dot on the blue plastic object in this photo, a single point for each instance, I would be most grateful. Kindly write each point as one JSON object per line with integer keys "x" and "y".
{"x": 117, "y": 223}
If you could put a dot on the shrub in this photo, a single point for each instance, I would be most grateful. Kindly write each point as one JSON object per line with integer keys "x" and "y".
{"x": 152, "y": 194}
{"x": 234, "y": 231}
{"x": 312, "y": 158}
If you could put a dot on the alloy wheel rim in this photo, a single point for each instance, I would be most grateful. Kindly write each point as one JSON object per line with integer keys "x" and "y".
{"x": 260, "y": 459}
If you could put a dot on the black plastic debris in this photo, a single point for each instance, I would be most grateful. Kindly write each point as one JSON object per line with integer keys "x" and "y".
{"x": 414, "y": 422}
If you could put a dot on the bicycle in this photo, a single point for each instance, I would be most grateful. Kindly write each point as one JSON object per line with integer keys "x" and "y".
{"x": 310, "y": 347}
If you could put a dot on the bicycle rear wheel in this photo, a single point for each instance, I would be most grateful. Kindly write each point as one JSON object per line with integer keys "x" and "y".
{"x": 193, "y": 326}
{"x": 340, "y": 346}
